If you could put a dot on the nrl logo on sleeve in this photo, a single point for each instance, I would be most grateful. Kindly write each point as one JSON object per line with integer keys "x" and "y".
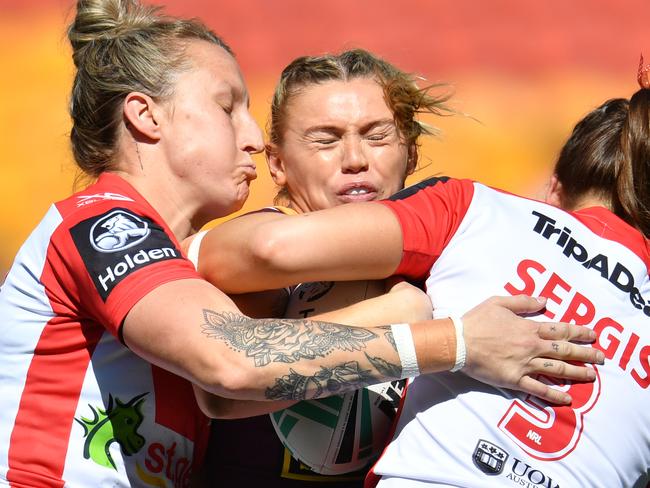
{"x": 489, "y": 457}
{"x": 115, "y": 244}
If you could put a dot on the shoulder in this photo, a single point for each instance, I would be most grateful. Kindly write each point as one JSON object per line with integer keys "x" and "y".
{"x": 454, "y": 188}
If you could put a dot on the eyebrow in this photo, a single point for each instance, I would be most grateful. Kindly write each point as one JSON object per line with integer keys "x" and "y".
{"x": 336, "y": 129}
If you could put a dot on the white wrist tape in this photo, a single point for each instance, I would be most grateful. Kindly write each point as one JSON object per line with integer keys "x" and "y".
{"x": 405, "y": 350}
{"x": 461, "y": 348}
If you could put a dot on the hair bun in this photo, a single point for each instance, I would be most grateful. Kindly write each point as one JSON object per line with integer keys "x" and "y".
{"x": 100, "y": 20}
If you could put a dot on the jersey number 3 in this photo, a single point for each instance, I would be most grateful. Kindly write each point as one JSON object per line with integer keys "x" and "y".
{"x": 550, "y": 432}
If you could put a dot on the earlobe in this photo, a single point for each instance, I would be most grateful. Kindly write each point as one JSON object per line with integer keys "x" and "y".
{"x": 140, "y": 113}
{"x": 275, "y": 164}
{"x": 411, "y": 159}
{"x": 554, "y": 192}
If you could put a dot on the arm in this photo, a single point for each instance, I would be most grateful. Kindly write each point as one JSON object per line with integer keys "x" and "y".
{"x": 195, "y": 331}
{"x": 403, "y": 303}
{"x": 360, "y": 241}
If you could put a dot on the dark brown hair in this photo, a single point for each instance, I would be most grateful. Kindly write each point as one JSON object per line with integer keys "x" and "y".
{"x": 608, "y": 156}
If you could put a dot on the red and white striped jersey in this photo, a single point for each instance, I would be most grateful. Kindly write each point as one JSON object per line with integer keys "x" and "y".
{"x": 469, "y": 242}
{"x": 77, "y": 407}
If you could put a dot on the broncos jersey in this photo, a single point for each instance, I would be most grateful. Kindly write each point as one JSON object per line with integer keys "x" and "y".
{"x": 469, "y": 242}
{"x": 77, "y": 407}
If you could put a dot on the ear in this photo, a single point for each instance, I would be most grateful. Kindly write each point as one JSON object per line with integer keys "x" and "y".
{"x": 554, "y": 192}
{"x": 141, "y": 113}
{"x": 412, "y": 159}
{"x": 275, "y": 164}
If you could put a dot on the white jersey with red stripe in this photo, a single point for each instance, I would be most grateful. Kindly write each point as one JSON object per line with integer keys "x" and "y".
{"x": 77, "y": 407}
{"x": 469, "y": 242}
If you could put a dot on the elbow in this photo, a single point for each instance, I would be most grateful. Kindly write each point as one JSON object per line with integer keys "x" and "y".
{"x": 214, "y": 406}
{"x": 228, "y": 379}
{"x": 271, "y": 251}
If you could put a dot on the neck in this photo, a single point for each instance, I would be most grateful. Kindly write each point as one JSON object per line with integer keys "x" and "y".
{"x": 164, "y": 199}
{"x": 590, "y": 200}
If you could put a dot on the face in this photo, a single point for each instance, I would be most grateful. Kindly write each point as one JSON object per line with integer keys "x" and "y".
{"x": 209, "y": 134}
{"x": 340, "y": 145}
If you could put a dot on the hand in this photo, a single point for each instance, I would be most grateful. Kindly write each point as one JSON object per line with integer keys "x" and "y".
{"x": 415, "y": 303}
{"x": 509, "y": 351}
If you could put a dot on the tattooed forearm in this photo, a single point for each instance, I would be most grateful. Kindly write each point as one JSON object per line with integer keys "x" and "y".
{"x": 327, "y": 381}
{"x": 385, "y": 369}
{"x": 283, "y": 340}
{"x": 389, "y": 336}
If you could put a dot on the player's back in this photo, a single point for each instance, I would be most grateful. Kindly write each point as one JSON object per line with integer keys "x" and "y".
{"x": 593, "y": 268}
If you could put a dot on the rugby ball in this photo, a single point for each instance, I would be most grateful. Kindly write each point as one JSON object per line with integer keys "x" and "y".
{"x": 342, "y": 433}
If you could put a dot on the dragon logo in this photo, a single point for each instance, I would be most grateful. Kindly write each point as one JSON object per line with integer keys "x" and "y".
{"x": 118, "y": 423}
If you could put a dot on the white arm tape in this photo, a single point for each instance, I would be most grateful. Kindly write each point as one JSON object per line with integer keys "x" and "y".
{"x": 193, "y": 250}
{"x": 461, "y": 349}
{"x": 405, "y": 350}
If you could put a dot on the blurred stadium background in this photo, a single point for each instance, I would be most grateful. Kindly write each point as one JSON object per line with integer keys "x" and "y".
{"x": 526, "y": 70}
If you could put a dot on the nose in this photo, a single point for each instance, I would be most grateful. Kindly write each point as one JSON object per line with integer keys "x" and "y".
{"x": 354, "y": 157}
{"x": 251, "y": 139}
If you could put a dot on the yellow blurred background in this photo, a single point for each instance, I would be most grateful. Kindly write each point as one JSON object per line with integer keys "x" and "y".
{"x": 527, "y": 70}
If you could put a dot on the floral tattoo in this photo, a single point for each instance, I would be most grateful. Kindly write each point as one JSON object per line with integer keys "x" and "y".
{"x": 283, "y": 340}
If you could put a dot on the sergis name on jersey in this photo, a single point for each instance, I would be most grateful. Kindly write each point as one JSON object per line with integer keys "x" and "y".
{"x": 119, "y": 242}
{"x": 619, "y": 276}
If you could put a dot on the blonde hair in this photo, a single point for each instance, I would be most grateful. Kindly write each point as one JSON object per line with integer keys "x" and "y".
{"x": 121, "y": 46}
{"x": 403, "y": 96}
{"x": 405, "y": 99}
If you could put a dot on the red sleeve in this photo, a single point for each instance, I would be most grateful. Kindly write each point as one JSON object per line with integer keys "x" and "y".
{"x": 110, "y": 255}
{"x": 429, "y": 214}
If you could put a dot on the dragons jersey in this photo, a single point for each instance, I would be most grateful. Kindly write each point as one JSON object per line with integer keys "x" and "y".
{"x": 77, "y": 407}
{"x": 469, "y": 242}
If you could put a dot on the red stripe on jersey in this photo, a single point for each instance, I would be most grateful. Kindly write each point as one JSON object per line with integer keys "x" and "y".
{"x": 429, "y": 214}
{"x": 53, "y": 384}
{"x": 372, "y": 478}
{"x": 174, "y": 393}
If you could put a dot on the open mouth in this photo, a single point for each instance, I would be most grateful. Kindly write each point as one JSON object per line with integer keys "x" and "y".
{"x": 358, "y": 192}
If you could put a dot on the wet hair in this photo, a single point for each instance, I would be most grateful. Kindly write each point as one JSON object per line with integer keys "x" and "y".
{"x": 405, "y": 99}
{"x": 608, "y": 156}
{"x": 119, "y": 47}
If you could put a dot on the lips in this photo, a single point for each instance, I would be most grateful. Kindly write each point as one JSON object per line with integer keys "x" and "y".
{"x": 250, "y": 171}
{"x": 358, "y": 192}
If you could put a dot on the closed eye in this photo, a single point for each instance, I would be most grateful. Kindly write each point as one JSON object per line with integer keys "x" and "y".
{"x": 376, "y": 137}
{"x": 325, "y": 142}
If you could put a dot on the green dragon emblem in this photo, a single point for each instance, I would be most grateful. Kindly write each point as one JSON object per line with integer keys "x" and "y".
{"x": 118, "y": 423}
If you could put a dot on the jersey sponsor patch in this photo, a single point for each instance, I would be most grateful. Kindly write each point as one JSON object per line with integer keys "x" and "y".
{"x": 117, "y": 243}
{"x": 489, "y": 457}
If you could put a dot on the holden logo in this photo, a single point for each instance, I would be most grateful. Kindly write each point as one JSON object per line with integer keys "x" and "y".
{"x": 117, "y": 231}
{"x": 489, "y": 457}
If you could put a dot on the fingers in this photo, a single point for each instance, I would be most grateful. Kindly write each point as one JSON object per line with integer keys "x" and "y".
{"x": 520, "y": 304}
{"x": 544, "y": 391}
{"x": 563, "y": 370}
{"x": 572, "y": 352}
{"x": 566, "y": 332}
